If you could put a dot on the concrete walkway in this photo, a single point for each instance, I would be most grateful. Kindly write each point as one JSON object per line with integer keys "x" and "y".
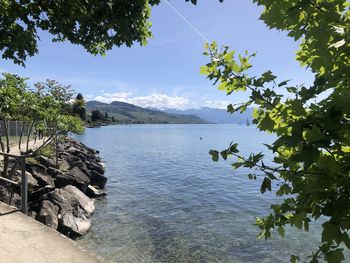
{"x": 31, "y": 145}
{"x": 24, "y": 240}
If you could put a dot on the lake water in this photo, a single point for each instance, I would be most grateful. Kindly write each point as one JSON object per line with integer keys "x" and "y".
{"x": 168, "y": 202}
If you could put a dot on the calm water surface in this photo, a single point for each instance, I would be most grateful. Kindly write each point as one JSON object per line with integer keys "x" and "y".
{"x": 168, "y": 202}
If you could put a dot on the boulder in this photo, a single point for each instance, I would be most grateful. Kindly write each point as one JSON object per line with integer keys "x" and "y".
{"x": 82, "y": 166}
{"x": 72, "y": 226}
{"x": 32, "y": 182}
{"x": 32, "y": 214}
{"x": 48, "y": 214}
{"x": 98, "y": 179}
{"x": 93, "y": 191}
{"x": 53, "y": 172}
{"x": 40, "y": 174}
{"x": 73, "y": 177}
{"x": 63, "y": 165}
{"x": 75, "y": 209}
{"x": 46, "y": 161}
{"x": 70, "y": 198}
{"x": 74, "y": 151}
{"x": 5, "y": 194}
{"x": 71, "y": 159}
{"x": 15, "y": 200}
{"x": 95, "y": 166}
{"x": 102, "y": 165}
{"x": 38, "y": 194}
{"x": 9, "y": 197}
{"x": 82, "y": 157}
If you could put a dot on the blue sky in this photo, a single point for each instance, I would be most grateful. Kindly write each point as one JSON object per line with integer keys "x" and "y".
{"x": 165, "y": 73}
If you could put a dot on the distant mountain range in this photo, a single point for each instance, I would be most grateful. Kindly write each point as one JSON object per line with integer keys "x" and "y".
{"x": 129, "y": 113}
{"x": 214, "y": 115}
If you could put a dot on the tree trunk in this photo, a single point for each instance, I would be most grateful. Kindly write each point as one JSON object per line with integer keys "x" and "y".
{"x": 28, "y": 136}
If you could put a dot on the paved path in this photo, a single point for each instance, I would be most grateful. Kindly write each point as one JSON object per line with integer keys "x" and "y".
{"x": 24, "y": 240}
{"x": 32, "y": 145}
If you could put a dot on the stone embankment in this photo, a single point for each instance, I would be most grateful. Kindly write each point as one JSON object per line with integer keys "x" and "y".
{"x": 61, "y": 196}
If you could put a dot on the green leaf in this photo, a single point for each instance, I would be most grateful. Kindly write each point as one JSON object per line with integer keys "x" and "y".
{"x": 224, "y": 154}
{"x": 331, "y": 232}
{"x": 233, "y": 148}
{"x": 214, "y": 155}
{"x": 294, "y": 259}
{"x": 230, "y": 108}
{"x": 335, "y": 256}
{"x": 297, "y": 107}
{"x": 346, "y": 240}
{"x": 281, "y": 231}
{"x": 283, "y": 83}
{"x": 268, "y": 76}
{"x": 266, "y": 185}
{"x": 267, "y": 124}
{"x": 313, "y": 135}
{"x": 204, "y": 70}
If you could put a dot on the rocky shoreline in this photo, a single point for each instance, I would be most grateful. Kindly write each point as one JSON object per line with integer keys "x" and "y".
{"x": 61, "y": 196}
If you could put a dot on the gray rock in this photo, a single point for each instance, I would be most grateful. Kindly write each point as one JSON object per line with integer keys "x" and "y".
{"x": 46, "y": 161}
{"x": 5, "y": 194}
{"x": 92, "y": 191}
{"x": 73, "y": 226}
{"x": 40, "y": 193}
{"x": 71, "y": 159}
{"x": 32, "y": 214}
{"x": 74, "y": 151}
{"x": 44, "y": 179}
{"x": 102, "y": 165}
{"x": 48, "y": 214}
{"x": 95, "y": 166}
{"x": 82, "y": 166}
{"x": 53, "y": 172}
{"x": 98, "y": 179}
{"x": 63, "y": 165}
{"x": 82, "y": 157}
{"x": 75, "y": 209}
{"x": 32, "y": 182}
{"x": 9, "y": 197}
{"x": 70, "y": 198}
{"x": 15, "y": 200}
{"x": 73, "y": 177}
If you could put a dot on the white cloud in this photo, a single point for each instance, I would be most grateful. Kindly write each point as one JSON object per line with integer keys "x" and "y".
{"x": 160, "y": 101}
{"x": 117, "y": 96}
{"x": 221, "y": 104}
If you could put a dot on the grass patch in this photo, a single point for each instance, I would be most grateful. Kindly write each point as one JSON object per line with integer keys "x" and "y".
{"x": 31, "y": 160}
{"x": 48, "y": 151}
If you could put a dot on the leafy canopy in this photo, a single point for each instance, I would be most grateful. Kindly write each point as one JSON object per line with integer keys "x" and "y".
{"x": 311, "y": 166}
{"x": 41, "y": 108}
{"x": 95, "y": 25}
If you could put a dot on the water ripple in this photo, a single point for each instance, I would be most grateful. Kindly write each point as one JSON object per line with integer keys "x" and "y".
{"x": 168, "y": 202}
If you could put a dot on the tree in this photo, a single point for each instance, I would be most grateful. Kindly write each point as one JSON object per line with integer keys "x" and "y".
{"x": 39, "y": 109}
{"x": 96, "y": 115}
{"x": 311, "y": 167}
{"x": 79, "y": 107}
{"x": 95, "y": 25}
{"x": 106, "y": 116}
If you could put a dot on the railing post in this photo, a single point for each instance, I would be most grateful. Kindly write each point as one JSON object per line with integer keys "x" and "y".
{"x": 24, "y": 187}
